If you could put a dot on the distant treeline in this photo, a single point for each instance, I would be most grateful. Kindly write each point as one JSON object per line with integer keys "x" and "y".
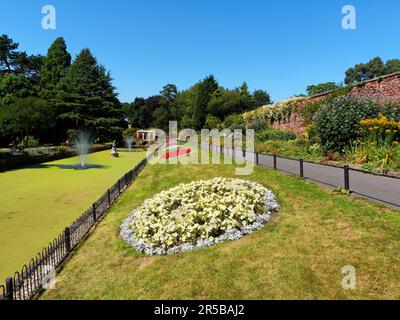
{"x": 205, "y": 105}
{"x": 48, "y": 98}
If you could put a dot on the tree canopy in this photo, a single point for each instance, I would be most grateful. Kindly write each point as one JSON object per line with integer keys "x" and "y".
{"x": 78, "y": 95}
{"x": 86, "y": 97}
{"x": 322, "y": 88}
{"x": 55, "y": 67}
{"x": 372, "y": 69}
{"x": 27, "y": 117}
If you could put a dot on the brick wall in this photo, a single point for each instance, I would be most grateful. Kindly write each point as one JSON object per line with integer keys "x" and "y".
{"x": 383, "y": 90}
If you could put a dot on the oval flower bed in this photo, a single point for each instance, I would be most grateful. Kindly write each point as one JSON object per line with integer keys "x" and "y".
{"x": 198, "y": 214}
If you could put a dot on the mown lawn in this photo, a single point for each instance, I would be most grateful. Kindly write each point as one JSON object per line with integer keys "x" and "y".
{"x": 299, "y": 255}
{"x": 38, "y": 202}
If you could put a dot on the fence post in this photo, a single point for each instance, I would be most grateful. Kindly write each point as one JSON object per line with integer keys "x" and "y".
{"x": 126, "y": 179}
{"x": 346, "y": 178}
{"x": 9, "y": 289}
{"x": 275, "y": 162}
{"x": 67, "y": 234}
{"x": 301, "y": 168}
{"x": 94, "y": 212}
{"x": 109, "y": 197}
{"x": 256, "y": 158}
{"x": 119, "y": 187}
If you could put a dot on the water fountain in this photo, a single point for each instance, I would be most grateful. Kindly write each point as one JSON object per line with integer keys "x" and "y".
{"x": 129, "y": 142}
{"x": 82, "y": 144}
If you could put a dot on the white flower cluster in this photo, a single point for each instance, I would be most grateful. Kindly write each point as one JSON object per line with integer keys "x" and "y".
{"x": 198, "y": 214}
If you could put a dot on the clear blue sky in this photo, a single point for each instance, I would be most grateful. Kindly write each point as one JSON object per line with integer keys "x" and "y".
{"x": 277, "y": 45}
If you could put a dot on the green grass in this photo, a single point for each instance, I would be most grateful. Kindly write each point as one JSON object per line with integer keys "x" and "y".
{"x": 38, "y": 202}
{"x": 298, "y": 255}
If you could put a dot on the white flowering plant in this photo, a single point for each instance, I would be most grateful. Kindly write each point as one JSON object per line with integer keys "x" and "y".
{"x": 198, "y": 214}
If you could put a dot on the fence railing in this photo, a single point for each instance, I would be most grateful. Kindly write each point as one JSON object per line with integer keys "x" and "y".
{"x": 35, "y": 275}
{"x": 375, "y": 186}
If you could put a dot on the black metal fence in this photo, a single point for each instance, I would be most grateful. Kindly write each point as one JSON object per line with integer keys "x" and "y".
{"x": 379, "y": 187}
{"x": 33, "y": 276}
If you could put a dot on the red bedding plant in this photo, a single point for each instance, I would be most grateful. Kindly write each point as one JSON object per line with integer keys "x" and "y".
{"x": 176, "y": 153}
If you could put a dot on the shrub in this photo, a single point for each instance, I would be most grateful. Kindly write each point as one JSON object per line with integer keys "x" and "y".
{"x": 311, "y": 108}
{"x": 311, "y": 133}
{"x": 72, "y": 134}
{"x": 129, "y": 133}
{"x": 373, "y": 157}
{"x": 279, "y": 111}
{"x": 259, "y": 125}
{"x": 380, "y": 131}
{"x": 28, "y": 142}
{"x": 31, "y": 142}
{"x": 392, "y": 111}
{"x": 338, "y": 122}
{"x": 234, "y": 121}
{"x": 212, "y": 122}
{"x": 279, "y": 135}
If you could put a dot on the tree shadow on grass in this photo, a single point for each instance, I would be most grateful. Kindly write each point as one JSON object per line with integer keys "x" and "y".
{"x": 77, "y": 166}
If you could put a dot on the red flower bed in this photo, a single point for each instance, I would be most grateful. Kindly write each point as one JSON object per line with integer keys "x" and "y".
{"x": 176, "y": 153}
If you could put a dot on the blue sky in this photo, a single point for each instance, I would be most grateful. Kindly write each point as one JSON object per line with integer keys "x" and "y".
{"x": 277, "y": 45}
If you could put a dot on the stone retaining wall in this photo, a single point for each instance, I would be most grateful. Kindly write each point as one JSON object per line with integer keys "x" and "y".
{"x": 383, "y": 90}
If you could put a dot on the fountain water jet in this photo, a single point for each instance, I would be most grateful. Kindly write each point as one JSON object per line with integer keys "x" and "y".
{"x": 82, "y": 144}
{"x": 129, "y": 142}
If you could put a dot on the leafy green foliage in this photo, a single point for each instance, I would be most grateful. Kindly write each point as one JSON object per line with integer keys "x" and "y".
{"x": 259, "y": 125}
{"x": 212, "y": 122}
{"x": 205, "y": 104}
{"x": 8, "y": 54}
{"x": 311, "y": 133}
{"x": 13, "y": 87}
{"x": 338, "y": 122}
{"x": 261, "y": 98}
{"x": 234, "y": 121}
{"x": 129, "y": 133}
{"x": 391, "y": 111}
{"x": 375, "y": 158}
{"x": 279, "y": 111}
{"x": 322, "y": 87}
{"x": 311, "y": 108}
{"x": 205, "y": 91}
{"x": 86, "y": 98}
{"x": 79, "y": 96}
{"x": 275, "y": 135}
{"x": 224, "y": 102}
{"x": 19, "y": 63}
{"x": 55, "y": 66}
{"x": 27, "y": 117}
{"x": 372, "y": 69}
